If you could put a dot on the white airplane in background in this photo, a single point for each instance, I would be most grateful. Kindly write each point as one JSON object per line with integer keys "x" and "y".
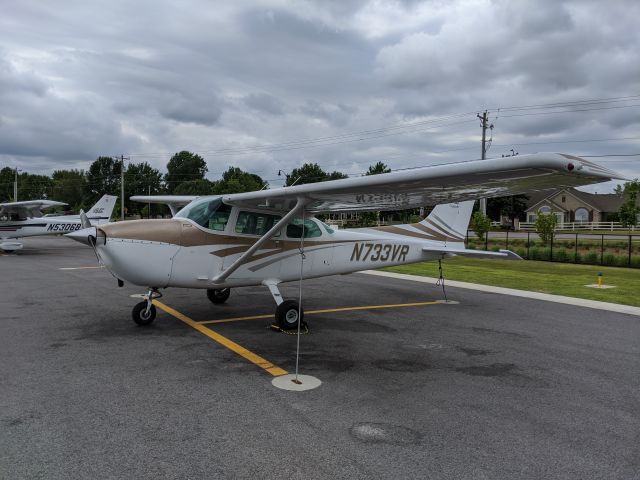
{"x": 26, "y": 219}
{"x": 269, "y": 237}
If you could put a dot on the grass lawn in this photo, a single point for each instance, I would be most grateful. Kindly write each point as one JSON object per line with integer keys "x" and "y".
{"x": 556, "y": 278}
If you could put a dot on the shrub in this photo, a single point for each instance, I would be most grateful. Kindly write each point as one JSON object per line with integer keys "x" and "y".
{"x": 577, "y": 257}
{"x": 591, "y": 257}
{"x": 480, "y": 224}
{"x": 561, "y": 255}
{"x": 609, "y": 259}
{"x": 622, "y": 260}
{"x": 520, "y": 252}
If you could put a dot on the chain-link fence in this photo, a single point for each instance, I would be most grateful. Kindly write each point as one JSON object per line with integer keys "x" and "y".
{"x": 594, "y": 249}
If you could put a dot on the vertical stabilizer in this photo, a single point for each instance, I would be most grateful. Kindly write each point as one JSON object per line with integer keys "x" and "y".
{"x": 102, "y": 210}
{"x": 449, "y": 220}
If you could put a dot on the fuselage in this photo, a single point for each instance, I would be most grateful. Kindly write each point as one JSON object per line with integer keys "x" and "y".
{"x": 179, "y": 252}
{"x": 30, "y": 227}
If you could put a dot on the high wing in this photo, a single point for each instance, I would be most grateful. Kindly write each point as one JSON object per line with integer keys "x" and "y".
{"x": 174, "y": 202}
{"x": 453, "y": 182}
{"x": 28, "y": 208}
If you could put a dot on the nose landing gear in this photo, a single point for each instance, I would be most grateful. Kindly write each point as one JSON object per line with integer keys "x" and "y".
{"x": 218, "y": 295}
{"x": 144, "y": 313}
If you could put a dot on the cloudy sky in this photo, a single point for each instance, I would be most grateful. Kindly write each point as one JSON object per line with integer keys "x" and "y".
{"x": 267, "y": 85}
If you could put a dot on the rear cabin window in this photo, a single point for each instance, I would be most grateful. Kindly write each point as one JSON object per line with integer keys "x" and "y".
{"x": 252, "y": 223}
{"x": 295, "y": 229}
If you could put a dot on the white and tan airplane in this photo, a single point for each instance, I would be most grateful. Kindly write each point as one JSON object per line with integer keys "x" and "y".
{"x": 269, "y": 237}
{"x": 27, "y": 219}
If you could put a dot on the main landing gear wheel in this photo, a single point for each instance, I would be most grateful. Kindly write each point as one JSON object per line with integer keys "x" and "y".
{"x": 288, "y": 314}
{"x": 143, "y": 315}
{"x": 218, "y": 295}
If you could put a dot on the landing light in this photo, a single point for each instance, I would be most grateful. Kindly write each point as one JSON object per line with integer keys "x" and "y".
{"x": 570, "y": 166}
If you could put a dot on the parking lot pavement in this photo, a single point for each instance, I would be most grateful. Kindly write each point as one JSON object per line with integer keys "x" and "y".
{"x": 491, "y": 387}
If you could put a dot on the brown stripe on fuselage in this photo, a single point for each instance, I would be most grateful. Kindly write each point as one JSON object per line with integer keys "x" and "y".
{"x": 435, "y": 234}
{"x": 409, "y": 233}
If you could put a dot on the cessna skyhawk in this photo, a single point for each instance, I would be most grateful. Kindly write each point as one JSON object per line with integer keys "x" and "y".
{"x": 26, "y": 219}
{"x": 271, "y": 236}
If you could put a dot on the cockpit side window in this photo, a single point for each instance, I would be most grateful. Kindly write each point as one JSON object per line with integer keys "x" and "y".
{"x": 209, "y": 213}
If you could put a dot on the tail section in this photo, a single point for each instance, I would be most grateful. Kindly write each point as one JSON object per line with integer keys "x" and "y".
{"x": 448, "y": 221}
{"x": 101, "y": 211}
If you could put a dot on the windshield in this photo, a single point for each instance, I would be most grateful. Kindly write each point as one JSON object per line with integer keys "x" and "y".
{"x": 209, "y": 213}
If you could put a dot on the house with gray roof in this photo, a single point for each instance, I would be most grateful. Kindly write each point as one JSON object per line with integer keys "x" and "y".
{"x": 571, "y": 205}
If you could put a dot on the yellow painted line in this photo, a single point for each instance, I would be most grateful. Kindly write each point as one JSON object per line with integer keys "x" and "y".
{"x": 224, "y": 341}
{"x": 81, "y": 268}
{"x": 327, "y": 310}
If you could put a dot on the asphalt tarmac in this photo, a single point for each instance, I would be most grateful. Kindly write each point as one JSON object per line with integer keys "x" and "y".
{"x": 492, "y": 387}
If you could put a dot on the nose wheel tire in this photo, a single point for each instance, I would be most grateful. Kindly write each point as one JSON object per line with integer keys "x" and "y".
{"x": 218, "y": 295}
{"x": 141, "y": 316}
{"x": 288, "y": 314}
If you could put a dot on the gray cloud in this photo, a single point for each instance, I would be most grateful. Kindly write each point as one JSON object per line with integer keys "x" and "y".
{"x": 79, "y": 80}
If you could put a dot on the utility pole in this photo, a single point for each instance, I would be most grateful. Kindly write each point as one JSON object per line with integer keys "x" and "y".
{"x": 483, "y": 154}
{"x": 15, "y": 186}
{"x": 122, "y": 159}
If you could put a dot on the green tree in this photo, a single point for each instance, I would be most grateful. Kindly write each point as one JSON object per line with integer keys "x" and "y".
{"x": 378, "y": 168}
{"x": 34, "y": 187}
{"x": 335, "y": 175}
{"x": 546, "y": 227}
{"x": 235, "y": 180}
{"x": 6, "y": 184}
{"x": 512, "y": 207}
{"x": 629, "y": 210}
{"x": 481, "y": 224}
{"x": 201, "y": 186}
{"x": 307, "y": 173}
{"x": 312, "y": 173}
{"x": 103, "y": 177}
{"x": 142, "y": 179}
{"x": 184, "y": 166}
{"x": 69, "y": 186}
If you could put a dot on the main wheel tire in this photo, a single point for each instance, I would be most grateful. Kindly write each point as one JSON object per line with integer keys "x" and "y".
{"x": 218, "y": 295}
{"x": 288, "y": 314}
{"x": 141, "y": 316}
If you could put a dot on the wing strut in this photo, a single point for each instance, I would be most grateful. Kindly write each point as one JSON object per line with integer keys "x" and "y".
{"x": 221, "y": 277}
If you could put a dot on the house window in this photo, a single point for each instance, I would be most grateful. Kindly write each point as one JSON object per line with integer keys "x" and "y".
{"x": 546, "y": 210}
{"x": 564, "y": 199}
{"x": 582, "y": 215}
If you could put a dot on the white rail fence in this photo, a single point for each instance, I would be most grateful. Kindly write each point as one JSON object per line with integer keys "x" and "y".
{"x": 581, "y": 226}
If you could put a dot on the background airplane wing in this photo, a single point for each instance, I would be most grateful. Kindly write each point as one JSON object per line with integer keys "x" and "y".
{"x": 174, "y": 202}
{"x": 28, "y": 208}
{"x": 433, "y": 185}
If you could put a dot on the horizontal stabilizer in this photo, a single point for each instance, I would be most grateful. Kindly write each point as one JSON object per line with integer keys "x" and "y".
{"x": 465, "y": 252}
